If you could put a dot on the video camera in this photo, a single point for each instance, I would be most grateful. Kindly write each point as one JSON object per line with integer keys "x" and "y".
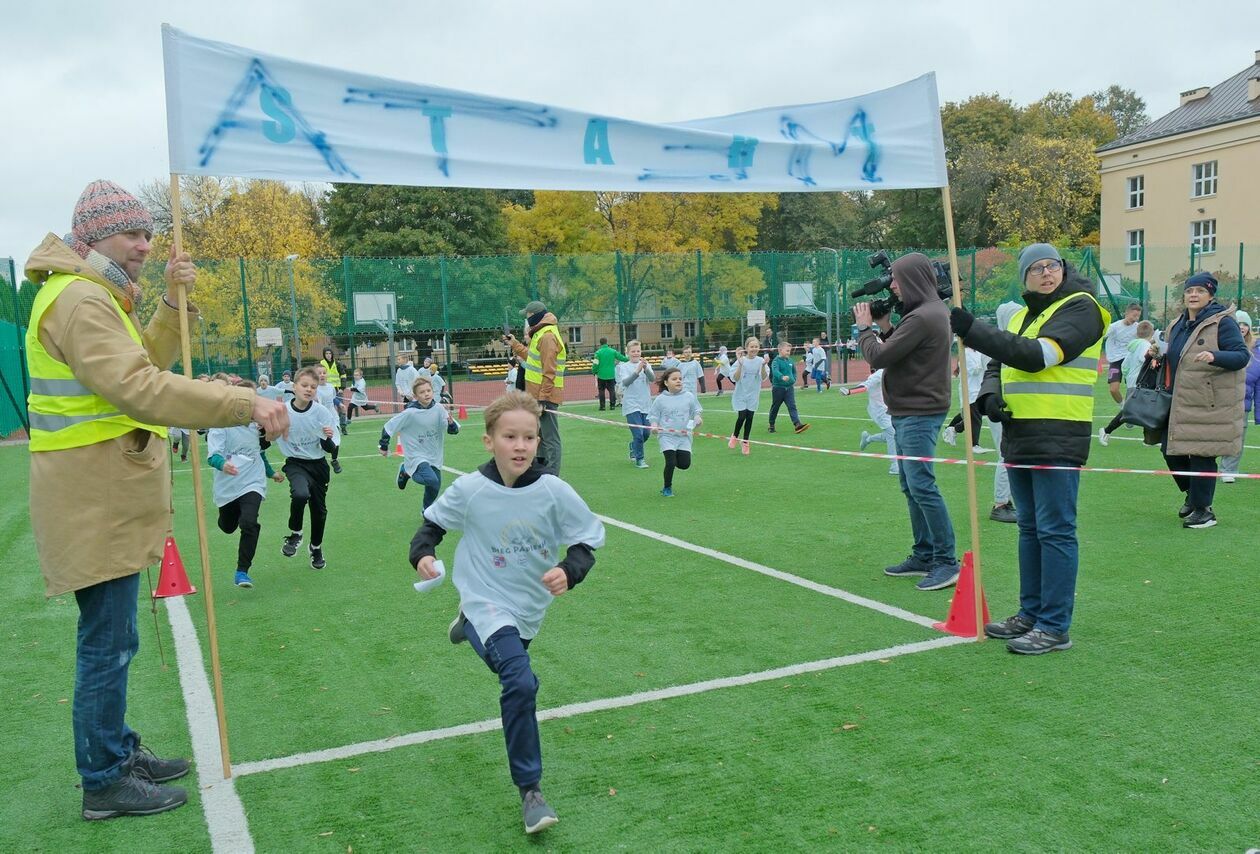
{"x": 883, "y": 282}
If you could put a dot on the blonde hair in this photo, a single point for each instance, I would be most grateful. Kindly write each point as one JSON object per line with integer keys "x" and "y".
{"x": 1145, "y": 329}
{"x": 752, "y": 339}
{"x": 419, "y": 381}
{"x": 634, "y": 342}
{"x": 510, "y": 402}
{"x": 308, "y": 371}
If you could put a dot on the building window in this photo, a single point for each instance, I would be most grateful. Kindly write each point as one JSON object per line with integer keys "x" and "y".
{"x": 1204, "y": 179}
{"x": 667, "y": 331}
{"x": 1137, "y": 191}
{"x": 632, "y": 331}
{"x": 575, "y": 335}
{"x": 689, "y": 329}
{"x": 1137, "y": 238}
{"x": 1203, "y": 235}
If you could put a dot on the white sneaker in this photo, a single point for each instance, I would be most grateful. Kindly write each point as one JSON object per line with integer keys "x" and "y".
{"x": 976, "y": 449}
{"x": 951, "y": 436}
{"x": 864, "y": 441}
{"x": 1229, "y": 478}
{"x": 1103, "y": 438}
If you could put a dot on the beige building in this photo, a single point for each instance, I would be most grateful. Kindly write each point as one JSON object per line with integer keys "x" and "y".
{"x": 1190, "y": 178}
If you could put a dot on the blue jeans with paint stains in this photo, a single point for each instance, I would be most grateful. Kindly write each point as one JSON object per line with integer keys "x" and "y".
{"x": 107, "y": 642}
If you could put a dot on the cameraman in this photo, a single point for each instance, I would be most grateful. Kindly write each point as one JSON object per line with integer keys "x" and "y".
{"x": 915, "y": 356}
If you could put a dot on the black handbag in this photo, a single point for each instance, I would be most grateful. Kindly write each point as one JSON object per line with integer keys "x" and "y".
{"x": 1147, "y": 407}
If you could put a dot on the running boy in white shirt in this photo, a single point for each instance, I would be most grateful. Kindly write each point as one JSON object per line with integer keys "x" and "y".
{"x": 358, "y": 397}
{"x": 326, "y": 396}
{"x": 312, "y": 431}
{"x": 873, "y": 387}
{"x": 515, "y": 517}
{"x": 422, "y": 429}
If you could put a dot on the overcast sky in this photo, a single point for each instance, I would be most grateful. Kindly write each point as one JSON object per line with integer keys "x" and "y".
{"x": 83, "y": 91}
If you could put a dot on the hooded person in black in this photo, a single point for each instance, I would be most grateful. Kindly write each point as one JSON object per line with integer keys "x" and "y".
{"x": 1069, "y": 338}
{"x": 916, "y": 363}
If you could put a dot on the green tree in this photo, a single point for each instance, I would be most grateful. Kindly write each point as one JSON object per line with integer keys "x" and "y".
{"x": 381, "y": 221}
{"x": 980, "y": 120}
{"x": 1060, "y": 116}
{"x": 806, "y": 221}
{"x": 1126, "y": 108}
{"x": 1046, "y": 189}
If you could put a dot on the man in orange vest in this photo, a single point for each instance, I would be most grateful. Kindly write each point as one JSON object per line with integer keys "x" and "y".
{"x": 100, "y": 476}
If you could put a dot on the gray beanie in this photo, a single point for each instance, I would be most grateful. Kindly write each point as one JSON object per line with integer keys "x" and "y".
{"x": 1034, "y": 253}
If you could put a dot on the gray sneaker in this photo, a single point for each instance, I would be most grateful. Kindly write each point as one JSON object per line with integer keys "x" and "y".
{"x": 1038, "y": 641}
{"x": 131, "y": 795}
{"x": 911, "y": 566}
{"x": 145, "y": 764}
{"x": 538, "y": 816}
{"x": 1003, "y": 513}
{"x": 945, "y": 575}
{"x": 1011, "y": 627}
{"x": 456, "y": 630}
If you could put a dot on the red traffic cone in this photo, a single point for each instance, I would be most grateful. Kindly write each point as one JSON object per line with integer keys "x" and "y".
{"x": 962, "y": 611}
{"x": 463, "y": 412}
{"x": 398, "y": 449}
{"x": 172, "y": 581}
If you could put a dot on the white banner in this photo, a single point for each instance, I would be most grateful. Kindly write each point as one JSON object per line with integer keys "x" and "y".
{"x": 231, "y": 111}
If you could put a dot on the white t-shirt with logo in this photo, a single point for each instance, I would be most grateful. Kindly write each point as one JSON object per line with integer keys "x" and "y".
{"x": 1119, "y": 336}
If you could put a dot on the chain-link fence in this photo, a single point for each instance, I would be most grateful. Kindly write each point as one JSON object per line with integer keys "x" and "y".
{"x": 13, "y": 378}
{"x": 454, "y": 308}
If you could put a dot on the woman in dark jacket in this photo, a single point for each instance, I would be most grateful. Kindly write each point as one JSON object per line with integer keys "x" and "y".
{"x": 1040, "y": 387}
{"x": 1204, "y": 370}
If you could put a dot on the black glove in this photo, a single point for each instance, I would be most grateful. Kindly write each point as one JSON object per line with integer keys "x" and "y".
{"x": 960, "y": 321}
{"x": 993, "y": 408}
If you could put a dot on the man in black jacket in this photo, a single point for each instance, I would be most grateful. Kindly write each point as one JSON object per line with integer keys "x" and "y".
{"x": 1040, "y": 387}
{"x": 916, "y": 362}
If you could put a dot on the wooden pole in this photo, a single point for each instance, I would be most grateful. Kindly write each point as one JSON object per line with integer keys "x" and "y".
{"x": 977, "y": 588}
{"x": 199, "y": 501}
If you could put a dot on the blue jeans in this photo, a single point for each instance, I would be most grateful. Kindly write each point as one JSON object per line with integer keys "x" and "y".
{"x": 504, "y": 652}
{"x": 637, "y": 437}
{"x": 432, "y": 480}
{"x": 1045, "y": 508}
{"x": 929, "y": 517}
{"x": 107, "y": 642}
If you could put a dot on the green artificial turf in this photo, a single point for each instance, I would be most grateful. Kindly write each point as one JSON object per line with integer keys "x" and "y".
{"x": 1142, "y": 737}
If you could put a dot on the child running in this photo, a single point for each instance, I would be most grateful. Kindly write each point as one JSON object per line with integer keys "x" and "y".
{"x": 422, "y": 429}
{"x": 285, "y": 386}
{"x": 749, "y": 372}
{"x": 873, "y": 387}
{"x": 239, "y": 459}
{"x": 312, "y": 431}
{"x": 515, "y": 517}
{"x": 721, "y": 368}
{"x": 692, "y": 368}
{"x": 1138, "y": 365}
{"x": 635, "y": 378}
{"x": 783, "y": 386}
{"x": 675, "y": 412}
{"x": 358, "y": 397}
{"x": 326, "y": 396}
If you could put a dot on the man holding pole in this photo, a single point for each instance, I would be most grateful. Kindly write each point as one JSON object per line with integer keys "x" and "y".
{"x": 100, "y": 483}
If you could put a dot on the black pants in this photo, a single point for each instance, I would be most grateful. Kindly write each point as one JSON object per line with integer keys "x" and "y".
{"x": 610, "y": 386}
{"x": 1199, "y": 490}
{"x": 355, "y": 407}
{"x": 957, "y": 423}
{"x": 702, "y": 388}
{"x": 308, "y": 484}
{"x": 242, "y": 513}
{"x": 673, "y": 460}
{"x": 743, "y": 419}
{"x": 717, "y": 379}
{"x": 781, "y": 395}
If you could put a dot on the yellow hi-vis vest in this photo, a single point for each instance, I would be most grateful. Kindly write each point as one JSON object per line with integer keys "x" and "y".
{"x": 533, "y": 362}
{"x": 334, "y": 375}
{"x": 64, "y": 413}
{"x": 1064, "y": 392}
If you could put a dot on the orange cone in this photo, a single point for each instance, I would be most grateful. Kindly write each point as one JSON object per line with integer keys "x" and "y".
{"x": 962, "y": 611}
{"x": 398, "y": 450}
{"x": 463, "y": 412}
{"x": 173, "y": 580}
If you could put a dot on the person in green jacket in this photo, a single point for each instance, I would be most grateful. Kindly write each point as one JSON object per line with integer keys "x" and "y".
{"x": 783, "y": 386}
{"x": 606, "y": 359}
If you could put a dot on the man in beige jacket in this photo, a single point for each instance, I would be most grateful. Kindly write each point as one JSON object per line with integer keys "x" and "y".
{"x": 100, "y": 483}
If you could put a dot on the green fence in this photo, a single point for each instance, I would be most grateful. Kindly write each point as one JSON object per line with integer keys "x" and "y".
{"x": 454, "y": 307}
{"x": 13, "y": 379}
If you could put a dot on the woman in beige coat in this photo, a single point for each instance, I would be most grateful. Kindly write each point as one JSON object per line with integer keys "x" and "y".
{"x": 100, "y": 496}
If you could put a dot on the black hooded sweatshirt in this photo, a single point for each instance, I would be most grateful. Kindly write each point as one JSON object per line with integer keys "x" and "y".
{"x": 1075, "y": 327}
{"x": 915, "y": 356}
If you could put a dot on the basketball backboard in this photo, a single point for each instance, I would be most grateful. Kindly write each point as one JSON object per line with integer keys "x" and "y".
{"x": 798, "y": 295}
{"x": 375, "y": 307}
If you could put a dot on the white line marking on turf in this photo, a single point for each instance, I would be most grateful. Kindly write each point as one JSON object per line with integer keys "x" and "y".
{"x": 384, "y": 744}
{"x": 225, "y": 814}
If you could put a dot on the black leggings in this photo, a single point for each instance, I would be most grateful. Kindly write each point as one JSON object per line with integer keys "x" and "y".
{"x": 673, "y": 460}
{"x": 355, "y": 407}
{"x": 957, "y": 423}
{"x": 242, "y": 513}
{"x": 718, "y": 379}
{"x": 308, "y": 484}
{"x": 743, "y": 419}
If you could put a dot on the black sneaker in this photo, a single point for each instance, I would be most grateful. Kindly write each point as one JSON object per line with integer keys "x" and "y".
{"x": 1003, "y": 513}
{"x": 336, "y": 464}
{"x": 911, "y": 566}
{"x": 1038, "y": 641}
{"x": 801, "y": 428}
{"x": 1011, "y": 627}
{"x": 291, "y": 543}
{"x": 155, "y": 770}
{"x": 131, "y": 795}
{"x": 1185, "y": 510}
{"x": 456, "y": 630}
{"x": 403, "y": 477}
{"x": 537, "y": 814}
{"x": 317, "y": 558}
{"x": 1200, "y": 519}
{"x": 769, "y": 429}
